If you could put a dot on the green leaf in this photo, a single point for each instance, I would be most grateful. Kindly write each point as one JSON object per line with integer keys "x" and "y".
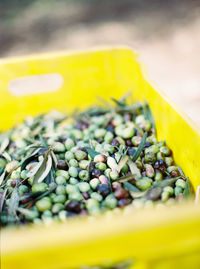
{"x": 125, "y": 178}
{"x": 6, "y": 156}
{"x": 3, "y": 199}
{"x": 31, "y": 195}
{"x": 25, "y": 212}
{"x": 119, "y": 103}
{"x": 140, "y": 148}
{"x": 165, "y": 182}
{"x": 188, "y": 189}
{"x": 13, "y": 204}
{"x": 134, "y": 170}
{"x": 44, "y": 169}
{"x": 130, "y": 109}
{"x": 54, "y": 158}
{"x": 94, "y": 110}
{"x": 122, "y": 162}
{"x": 29, "y": 158}
{"x": 50, "y": 177}
{"x": 92, "y": 153}
{"x": 181, "y": 171}
{"x": 4, "y": 145}
{"x": 122, "y": 150}
{"x": 2, "y": 170}
{"x": 130, "y": 187}
{"x": 43, "y": 142}
{"x": 148, "y": 114}
{"x": 46, "y": 193}
{"x": 2, "y": 176}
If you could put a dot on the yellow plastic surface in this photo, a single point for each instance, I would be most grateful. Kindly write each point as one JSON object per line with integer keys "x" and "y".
{"x": 165, "y": 238}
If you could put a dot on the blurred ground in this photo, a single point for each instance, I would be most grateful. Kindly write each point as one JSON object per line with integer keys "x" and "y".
{"x": 166, "y": 34}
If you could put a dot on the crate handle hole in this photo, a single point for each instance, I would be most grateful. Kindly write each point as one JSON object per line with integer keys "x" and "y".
{"x": 35, "y": 84}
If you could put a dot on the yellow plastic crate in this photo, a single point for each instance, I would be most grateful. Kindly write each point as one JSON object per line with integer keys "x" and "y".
{"x": 165, "y": 238}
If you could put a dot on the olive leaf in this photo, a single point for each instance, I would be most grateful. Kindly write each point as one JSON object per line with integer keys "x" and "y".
{"x": 3, "y": 199}
{"x": 46, "y": 193}
{"x": 50, "y": 177}
{"x": 188, "y": 189}
{"x": 180, "y": 171}
{"x": 130, "y": 109}
{"x": 92, "y": 153}
{"x": 43, "y": 142}
{"x": 140, "y": 148}
{"x": 2, "y": 170}
{"x": 137, "y": 194}
{"x": 54, "y": 158}
{"x": 94, "y": 110}
{"x": 134, "y": 170}
{"x": 4, "y": 145}
{"x": 6, "y": 156}
{"x": 122, "y": 150}
{"x": 105, "y": 102}
{"x": 26, "y": 149}
{"x": 30, "y": 195}
{"x": 13, "y": 204}
{"x": 122, "y": 162}
{"x": 29, "y": 158}
{"x": 119, "y": 103}
{"x": 148, "y": 114}
{"x": 25, "y": 212}
{"x": 130, "y": 187}
{"x": 165, "y": 182}
{"x": 126, "y": 178}
{"x": 2, "y": 177}
{"x": 34, "y": 170}
{"x": 43, "y": 170}
{"x": 112, "y": 163}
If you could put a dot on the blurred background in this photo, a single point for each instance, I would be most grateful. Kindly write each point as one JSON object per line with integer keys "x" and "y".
{"x": 165, "y": 33}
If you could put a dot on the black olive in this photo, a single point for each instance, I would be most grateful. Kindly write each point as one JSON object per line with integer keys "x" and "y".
{"x": 62, "y": 165}
{"x": 73, "y": 206}
{"x": 103, "y": 189}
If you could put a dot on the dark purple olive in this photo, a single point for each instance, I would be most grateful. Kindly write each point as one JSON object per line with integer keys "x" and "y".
{"x": 62, "y": 165}
{"x": 123, "y": 202}
{"x": 131, "y": 151}
{"x": 71, "y": 214}
{"x": 79, "y": 169}
{"x": 160, "y": 165}
{"x": 128, "y": 143}
{"x": 103, "y": 189}
{"x": 73, "y": 206}
{"x": 85, "y": 195}
{"x": 121, "y": 193}
{"x": 96, "y": 173}
{"x": 110, "y": 128}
